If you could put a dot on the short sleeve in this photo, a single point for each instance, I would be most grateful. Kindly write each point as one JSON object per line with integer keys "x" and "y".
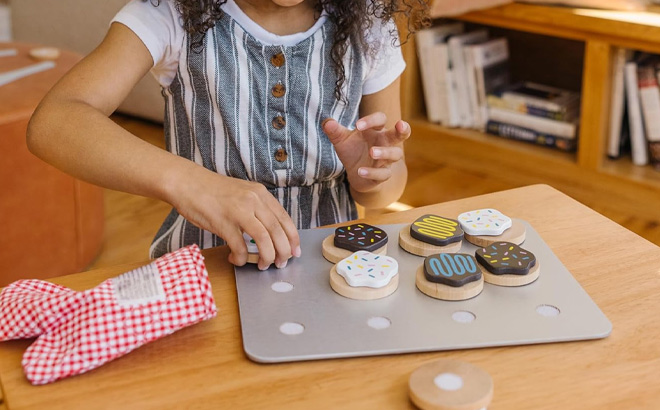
{"x": 160, "y": 29}
{"x": 385, "y": 61}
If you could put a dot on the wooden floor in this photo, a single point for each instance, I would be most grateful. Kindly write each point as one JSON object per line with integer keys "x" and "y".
{"x": 132, "y": 221}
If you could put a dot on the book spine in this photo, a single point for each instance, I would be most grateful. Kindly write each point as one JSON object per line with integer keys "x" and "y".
{"x": 617, "y": 107}
{"x": 525, "y": 134}
{"x": 523, "y": 108}
{"x": 542, "y": 125}
{"x": 637, "y": 139}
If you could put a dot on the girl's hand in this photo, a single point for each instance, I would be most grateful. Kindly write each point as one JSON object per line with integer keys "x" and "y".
{"x": 229, "y": 206}
{"x": 369, "y": 150}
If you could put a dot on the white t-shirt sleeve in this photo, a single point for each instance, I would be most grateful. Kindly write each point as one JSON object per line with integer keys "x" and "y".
{"x": 385, "y": 62}
{"x": 161, "y": 30}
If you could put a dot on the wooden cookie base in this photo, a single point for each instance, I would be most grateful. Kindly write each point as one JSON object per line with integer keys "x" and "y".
{"x": 509, "y": 279}
{"x": 475, "y": 393}
{"x": 445, "y": 292}
{"x": 515, "y": 234}
{"x": 253, "y": 258}
{"x": 339, "y": 285}
{"x": 335, "y": 254}
{"x": 419, "y": 248}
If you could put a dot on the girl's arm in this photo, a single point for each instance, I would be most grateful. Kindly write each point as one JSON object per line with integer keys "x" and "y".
{"x": 373, "y": 153}
{"x": 71, "y": 130}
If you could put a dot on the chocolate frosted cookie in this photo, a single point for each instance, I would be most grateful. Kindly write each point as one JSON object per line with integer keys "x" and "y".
{"x": 360, "y": 237}
{"x": 436, "y": 230}
{"x": 506, "y": 258}
{"x": 451, "y": 269}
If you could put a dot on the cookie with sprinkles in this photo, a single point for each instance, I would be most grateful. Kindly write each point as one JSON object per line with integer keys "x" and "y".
{"x": 360, "y": 237}
{"x": 484, "y": 222}
{"x": 352, "y": 238}
{"x": 507, "y": 264}
{"x": 449, "y": 276}
{"x": 364, "y": 276}
{"x": 506, "y": 258}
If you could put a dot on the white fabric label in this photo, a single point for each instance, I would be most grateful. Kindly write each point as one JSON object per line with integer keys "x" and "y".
{"x": 140, "y": 286}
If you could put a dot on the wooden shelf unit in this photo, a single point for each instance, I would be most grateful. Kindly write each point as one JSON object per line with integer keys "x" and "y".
{"x": 600, "y": 31}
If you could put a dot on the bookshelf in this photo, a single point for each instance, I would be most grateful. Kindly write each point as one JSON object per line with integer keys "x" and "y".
{"x": 597, "y": 32}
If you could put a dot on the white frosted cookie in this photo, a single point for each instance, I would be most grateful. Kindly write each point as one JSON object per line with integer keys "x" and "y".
{"x": 365, "y": 276}
{"x": 484, "y": 222}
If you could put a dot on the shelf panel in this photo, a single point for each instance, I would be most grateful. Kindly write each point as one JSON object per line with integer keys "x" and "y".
{"x": 497, "y": 145}
{"x": 632, "y": 29}
{"x": 624, "y": 168}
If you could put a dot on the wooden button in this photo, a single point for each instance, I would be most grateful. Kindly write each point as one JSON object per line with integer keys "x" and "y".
{"x": 279, "y": 122}
{"x": 280, "y": 155}
{"x": 277, "y": 60}
{"x": 278, "y": 90}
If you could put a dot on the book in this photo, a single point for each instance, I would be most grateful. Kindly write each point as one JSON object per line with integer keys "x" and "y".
{"x": 525, "y": 134}
{"x": 489, "y": 62}
{"x": 524, "y": 108}
{"x": 429, "y": 43}
{"x": 619, "y": 58}
{"x": 458, "y": 68}
{"x": 637, "y": 137}
{"x": 542, "y": 125}
{"x": 541, "y": 96}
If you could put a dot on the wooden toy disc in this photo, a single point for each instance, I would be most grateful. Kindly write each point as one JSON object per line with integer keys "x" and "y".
{"x": 339, "y": 285}
{"x": 44, "y": 53}
{"x": 450, "y": 385}
{"x": 419, "y": 248}
{"x": 515, "y": 234}
{"x": 253, "y": 258}
{"x": 335, "y": 254}
{"x": 445, "y": 292}
{"x": 511, "y": 280}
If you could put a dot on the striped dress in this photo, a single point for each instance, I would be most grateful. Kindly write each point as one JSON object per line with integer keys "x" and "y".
{"x": 250, "y": 108}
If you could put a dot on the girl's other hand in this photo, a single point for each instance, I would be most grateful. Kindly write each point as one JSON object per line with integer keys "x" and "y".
{"x": 228, "y": 207}
{"x": 369, "y": 150}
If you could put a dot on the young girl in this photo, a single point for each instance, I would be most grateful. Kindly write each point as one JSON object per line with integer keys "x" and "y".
{"x": 279, "y": 115}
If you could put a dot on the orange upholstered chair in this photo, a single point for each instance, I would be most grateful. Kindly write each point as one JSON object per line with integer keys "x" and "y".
{"x": 50, "y": 223}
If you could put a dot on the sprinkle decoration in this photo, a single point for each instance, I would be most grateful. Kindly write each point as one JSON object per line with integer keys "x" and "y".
{"x": 506, "y": 258}
{"x": 488, "y": 221}
{"x": 359, "y": 237}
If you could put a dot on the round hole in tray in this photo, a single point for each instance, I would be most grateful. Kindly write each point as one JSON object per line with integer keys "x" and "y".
{"x": 448, "y": 381}
{"x": 292, "y": 328}
{"x": 548, "y": 310}
{"x": 463, "y": 316}
{"x": 379, "y": 322}
{"x": 282, "y": 287}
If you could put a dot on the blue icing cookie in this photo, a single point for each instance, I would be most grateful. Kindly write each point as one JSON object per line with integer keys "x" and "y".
{"x": 451, "y": 269}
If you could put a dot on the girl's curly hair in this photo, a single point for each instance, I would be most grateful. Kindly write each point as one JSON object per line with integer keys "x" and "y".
{"x": 350, "y": 17}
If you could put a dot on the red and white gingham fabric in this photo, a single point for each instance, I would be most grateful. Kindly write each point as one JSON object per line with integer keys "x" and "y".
{"x": 32, "y": 307}
{"x": 122, "y": 314}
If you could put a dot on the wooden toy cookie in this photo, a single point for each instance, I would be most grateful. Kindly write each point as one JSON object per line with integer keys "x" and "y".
{"x": 450, "y": 385}
{"x": 450, "y": 276}
{"x": 353, "y": 238}
{"x": 431, "y": 234}
{"x": 253, "y": 251}
{"x": 507, "y": 264}
{"x": 485, "y": 226}
{"x": 365, "y": 276}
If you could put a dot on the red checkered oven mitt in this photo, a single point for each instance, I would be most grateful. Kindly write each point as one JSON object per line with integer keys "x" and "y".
{"x": 122, "y": 314}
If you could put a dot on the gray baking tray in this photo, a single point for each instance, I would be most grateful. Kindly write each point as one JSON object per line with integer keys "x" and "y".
{"x": 312, "y": 322}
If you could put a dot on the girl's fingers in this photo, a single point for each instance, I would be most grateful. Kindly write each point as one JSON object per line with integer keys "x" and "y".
{"x": 375, "y": 121}
{"x": 335, "y": 131}
{"x": 238, "y": 254}
{"x": 261, "y": 236}
{"x": 399, "y": 133}
{"x": 290, "y": 230}
{"x": 391, "y": 154}
{"x": 375, "y": 174}
{"x": 278, "y": 237}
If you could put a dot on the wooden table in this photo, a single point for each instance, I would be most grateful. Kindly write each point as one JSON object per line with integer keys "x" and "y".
{"x": 204, "y": 366}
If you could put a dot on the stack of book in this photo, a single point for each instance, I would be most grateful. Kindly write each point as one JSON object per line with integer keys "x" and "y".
{"x": 467, "y": 84}
{"x": 635, "y": 109}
